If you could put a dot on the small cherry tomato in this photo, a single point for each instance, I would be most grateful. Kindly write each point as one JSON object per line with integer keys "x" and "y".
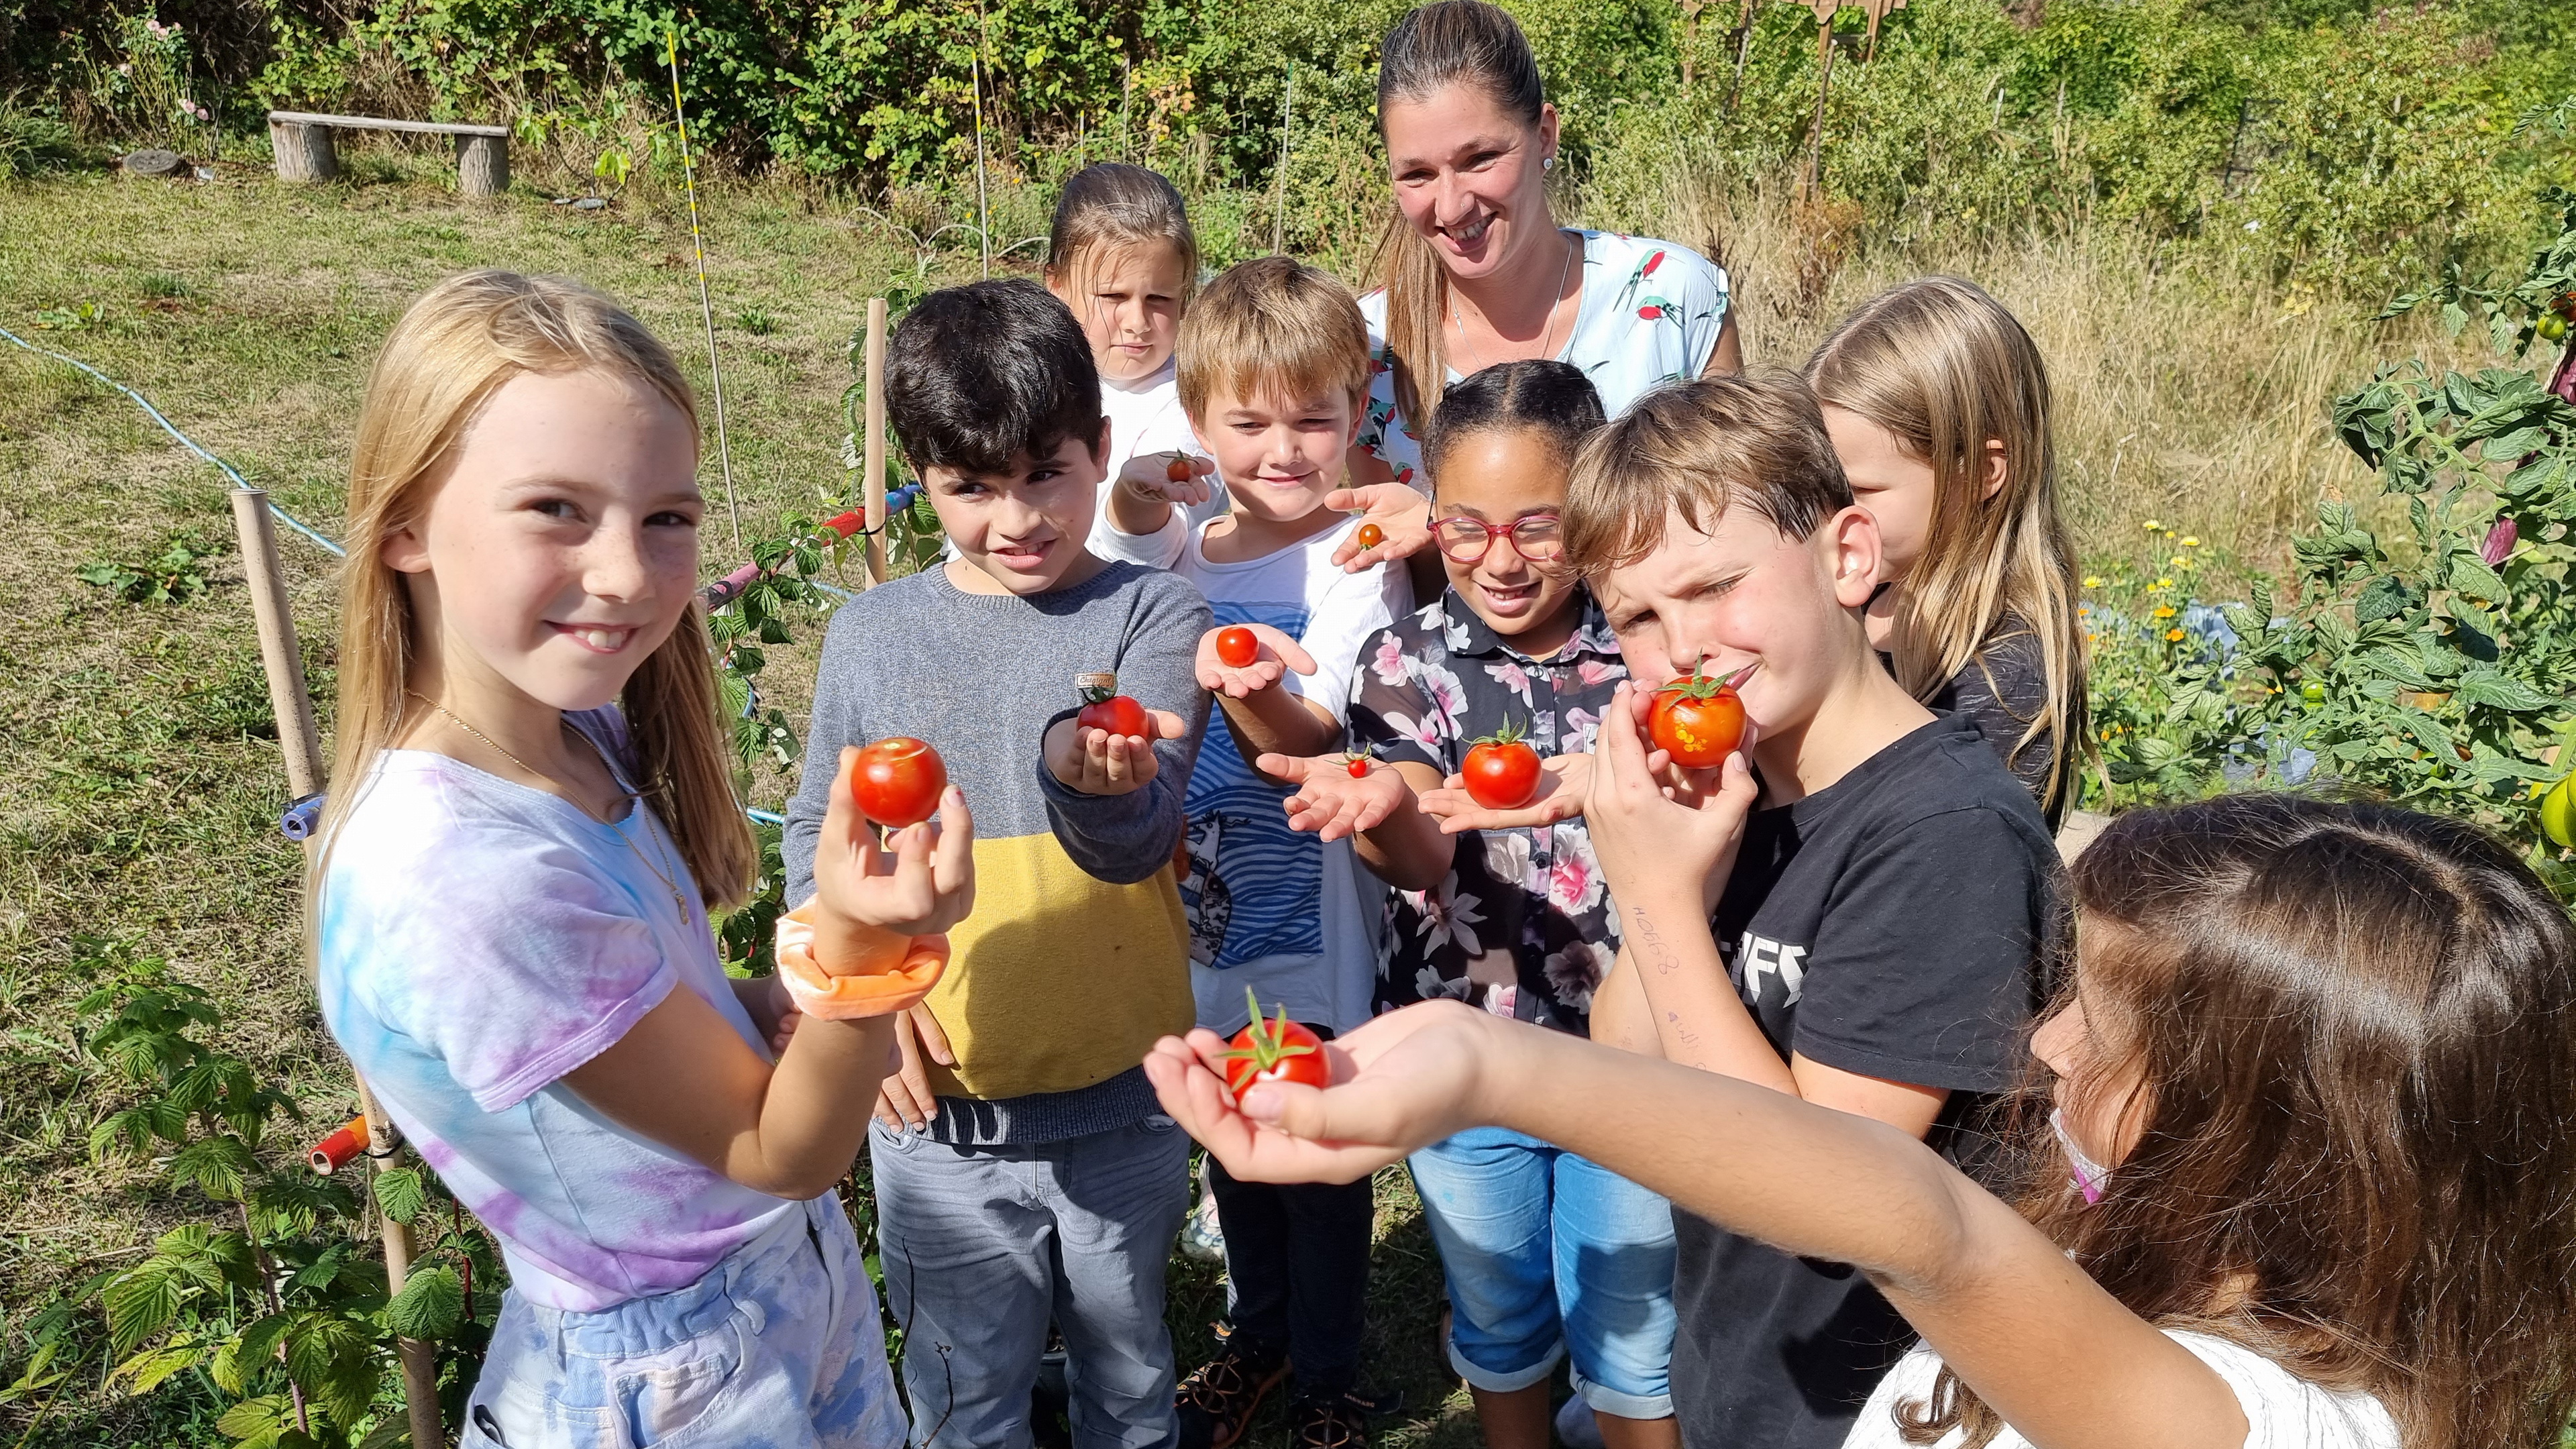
{"x": 1357, "y": 765}
{"x": 1697, "y": 720}
{"x": 1279, "y": 1050}
{"x": 1104, "y": 708}
{"x": 1237, "y": 646}
{"x": 897, "y": 781}
{"x": 1502, "y": 769}
{"x": 1370, "y": 535}
{"x": 1178, "y": 470}
{"x": 2312, "y": 692}
{"x": 2552, "y": 328}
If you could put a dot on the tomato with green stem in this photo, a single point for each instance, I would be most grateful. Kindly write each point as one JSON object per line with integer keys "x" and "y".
{"x": 1278, "y": 1050}
{"x": 1370, "y": 535}
{"x": 1357, "y": 762}
{"x": 1698, "y": 720}
{"x": 896, "y": 782}
{"x": 1104, "y": 708}
{"x": 1502, "y": 770}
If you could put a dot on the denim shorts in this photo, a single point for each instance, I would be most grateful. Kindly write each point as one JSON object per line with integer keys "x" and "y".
{"x": 1548, "y": 1254}
{"x": 780, "y": 1346}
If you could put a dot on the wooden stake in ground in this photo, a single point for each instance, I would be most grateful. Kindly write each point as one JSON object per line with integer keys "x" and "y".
{"x": 872, "y": 490}
{"x": 706, "y": 308}
{"x": 1287, "y": 123}
{"x": 301, "y": 743}
{"x": 1812, "y": 182}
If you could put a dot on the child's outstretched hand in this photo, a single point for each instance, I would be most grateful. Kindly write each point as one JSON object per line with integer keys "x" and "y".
{"x": 920, "y": 882}
{"x": 1276, "y": 654}
{"x": 1332, "y": 802}
{"x": 1097, "y": 762}
{"x": 1148, "y": 478}
{"x": 1562, "y": 782}
{"x": 1402, "y": 516}
{"x": 1653, "y": 825}
{"x": 1403, "y": 1081}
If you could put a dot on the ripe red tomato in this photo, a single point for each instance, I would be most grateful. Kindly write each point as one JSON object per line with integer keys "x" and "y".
{"x": 1274, "y": 1051}
{"x": 1237, "y": 646}
{"x": 897, "y": 781}
{"x": 1358, "y": 763}
{"x": 1370, "y": 535}
{"x": 1104, "y": 708}
{"x": 1502, "y": 769}
{"x": 1698, "y": 720}
{"x": 1177, "y": 470}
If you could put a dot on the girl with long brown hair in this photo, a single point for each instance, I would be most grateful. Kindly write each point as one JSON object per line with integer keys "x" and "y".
{"x": 2298, "y": 1167}
{"x": 1474, "y": 269}
{"x": 531, "y": 813}
{"x": 1937, "y": 401}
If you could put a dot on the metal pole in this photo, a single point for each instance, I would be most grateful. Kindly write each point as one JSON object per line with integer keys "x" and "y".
{"x": 282, "y": 656}
{"x": 872, "y": 447}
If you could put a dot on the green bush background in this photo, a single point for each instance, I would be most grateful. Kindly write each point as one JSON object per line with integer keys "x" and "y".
{"x": 2343, "y": 146}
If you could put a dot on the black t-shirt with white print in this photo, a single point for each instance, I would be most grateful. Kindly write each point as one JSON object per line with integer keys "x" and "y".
{"x": 1889, "y": 925}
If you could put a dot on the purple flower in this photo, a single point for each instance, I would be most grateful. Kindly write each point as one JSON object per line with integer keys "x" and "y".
{"x": 2499, "y": 544}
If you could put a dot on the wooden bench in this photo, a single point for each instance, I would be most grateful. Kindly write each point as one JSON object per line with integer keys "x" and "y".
{"x": 303, "y": 144}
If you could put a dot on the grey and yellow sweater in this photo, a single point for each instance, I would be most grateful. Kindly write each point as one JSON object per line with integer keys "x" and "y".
{"x": 1077, "y": 955}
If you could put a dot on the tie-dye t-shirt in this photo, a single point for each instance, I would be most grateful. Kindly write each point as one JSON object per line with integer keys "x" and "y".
{"x": 479, "y": 939}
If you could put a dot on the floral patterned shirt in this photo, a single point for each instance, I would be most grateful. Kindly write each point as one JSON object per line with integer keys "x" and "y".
{"x": 1650, "y": 314}
{"x": 1522, "y": 926}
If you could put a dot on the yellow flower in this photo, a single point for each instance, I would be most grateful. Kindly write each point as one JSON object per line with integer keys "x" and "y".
{"x": 2164, "y": 583}
{"x": 2154, "y": 527}
{"x": 2190, "y": 542}
{"x": 2178, "y": 561}
{"x": 2093, "y": 581}
{"x": 2164, "y": 611}
{"x": 2173, "y": 636}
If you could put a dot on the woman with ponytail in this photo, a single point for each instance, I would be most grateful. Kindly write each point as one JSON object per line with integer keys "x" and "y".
{"x": 1475, "y": 271}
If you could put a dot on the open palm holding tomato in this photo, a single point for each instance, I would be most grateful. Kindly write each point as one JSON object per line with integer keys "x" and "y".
{"x": 1400, "y": 1082}
{"x": 1654, "y": 826}
{"x": 1176, "y": 478}
{"x": 1558, "y": 797}
{"x": 1401, "y": 515}
{"x": 1278, "y": 653}
{"x": 1332, "y": 802}
{"x": 1098, "y": 762}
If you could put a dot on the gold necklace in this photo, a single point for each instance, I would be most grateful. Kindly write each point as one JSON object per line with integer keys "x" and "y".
{"x": 1555, "y": 300}
{"x": 634, "y": 802}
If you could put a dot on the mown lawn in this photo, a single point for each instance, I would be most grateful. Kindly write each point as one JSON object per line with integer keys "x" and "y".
{"x": 140, "y": 789}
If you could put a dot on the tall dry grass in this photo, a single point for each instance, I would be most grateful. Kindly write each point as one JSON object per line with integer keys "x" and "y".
{"x": 2189, "y": 389}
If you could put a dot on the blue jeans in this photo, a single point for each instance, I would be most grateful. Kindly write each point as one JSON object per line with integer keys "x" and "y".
{"x": 1546, "y": 1253}
{"x": 981, "y": 1246}
{"x": 779, "y": 1344}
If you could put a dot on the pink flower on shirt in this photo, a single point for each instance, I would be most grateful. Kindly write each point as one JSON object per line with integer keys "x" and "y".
{"x": 1447, "y": 695}
{"x": 1593, "y": 671}
{"x": 1512, "y": 677}
{"x": 1388, "y": 661}
{"x": 1578, "y": 730}
{"x": 1574, "y": 877}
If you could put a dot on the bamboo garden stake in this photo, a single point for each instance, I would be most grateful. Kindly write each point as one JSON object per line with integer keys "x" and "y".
{"x": 298, "y": 739}
{"x": 706, "y": 307}
{"x": 872, "y": 447}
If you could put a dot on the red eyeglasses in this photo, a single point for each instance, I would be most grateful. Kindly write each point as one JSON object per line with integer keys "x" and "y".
{"x": 1539, "y": 537}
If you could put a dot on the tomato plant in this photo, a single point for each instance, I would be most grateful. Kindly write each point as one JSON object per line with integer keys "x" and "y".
{"x": 1278, "y": 1050}
{"x": 1697, "y": 720}
{"x": 1104, "y": 708}
{"x": 897, "y": 781}
{"x": 1237, "y": 646}
{"x": 1502, "y": 769}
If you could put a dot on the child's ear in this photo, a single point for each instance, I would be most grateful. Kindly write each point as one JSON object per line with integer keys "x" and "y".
{"x": 1853, "y": 555}
{"x": 405, "y": 551}
{"x": 1100, "y": 446}
{"x": 1359, "y": 419}
{"x": 1998, "y": 468}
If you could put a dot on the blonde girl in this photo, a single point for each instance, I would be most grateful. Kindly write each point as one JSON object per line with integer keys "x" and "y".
{"x": 1122, "y": 256}
{"x": 1938, "y": 405}
{"x": 2299, "y": 1171}
{"x": 530, "y": 816}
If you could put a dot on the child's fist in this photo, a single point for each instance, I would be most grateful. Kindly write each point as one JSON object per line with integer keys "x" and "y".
{"x": 1274, "y": 654}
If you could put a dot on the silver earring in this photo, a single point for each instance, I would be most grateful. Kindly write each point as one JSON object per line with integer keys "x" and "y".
{"x": 1547, "y": 163}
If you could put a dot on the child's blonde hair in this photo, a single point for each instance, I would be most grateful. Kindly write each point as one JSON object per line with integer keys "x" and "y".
{"x": 1273, "y": 323}
{"x": 1946, "y": 370}
{"x": 1113, "y": 204}
{"x": 449, "y": 354}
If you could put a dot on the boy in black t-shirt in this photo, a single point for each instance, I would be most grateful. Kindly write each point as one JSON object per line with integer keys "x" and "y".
{"x": 1851, "y": 909}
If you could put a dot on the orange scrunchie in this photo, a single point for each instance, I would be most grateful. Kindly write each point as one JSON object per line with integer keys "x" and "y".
{"x": 891, "y": 978}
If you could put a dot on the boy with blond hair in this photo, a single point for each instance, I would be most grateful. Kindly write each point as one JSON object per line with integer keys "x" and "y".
{"x": 1274, "y": 371}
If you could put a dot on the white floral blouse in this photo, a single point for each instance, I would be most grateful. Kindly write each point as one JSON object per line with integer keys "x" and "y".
{"x": 1650, "y": 314}
{"x": 1522, "y": 926}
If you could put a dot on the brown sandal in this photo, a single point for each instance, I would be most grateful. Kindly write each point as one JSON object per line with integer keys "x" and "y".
{"x": 1217, "y": 1401}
